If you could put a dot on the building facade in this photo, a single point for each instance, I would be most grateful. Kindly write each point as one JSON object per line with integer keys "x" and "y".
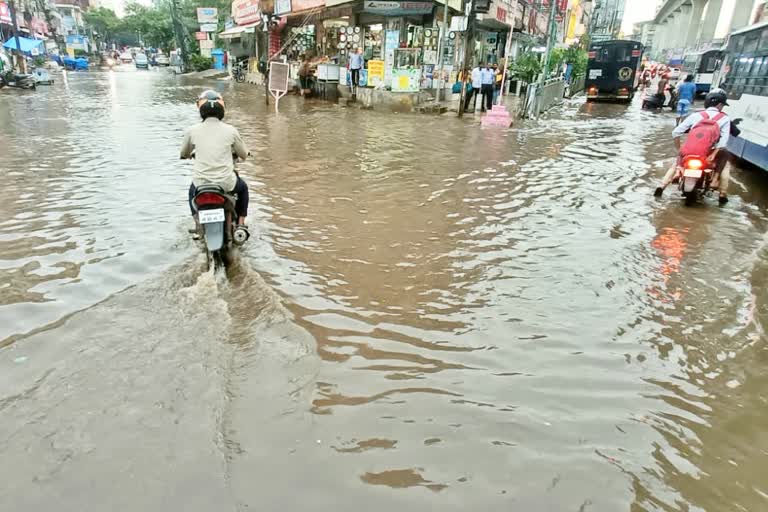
{"x": 606, "y": 19}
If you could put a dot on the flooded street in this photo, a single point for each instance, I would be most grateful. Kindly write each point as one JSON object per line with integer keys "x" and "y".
{"x": 430, "y": 315}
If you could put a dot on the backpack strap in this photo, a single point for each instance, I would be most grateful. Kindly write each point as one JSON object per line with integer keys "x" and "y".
{"x": 704, "y": 115}
{"x": 718, "y": 117}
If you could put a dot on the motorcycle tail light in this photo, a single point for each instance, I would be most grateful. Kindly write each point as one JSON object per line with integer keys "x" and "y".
{"x": 694, "y": 163}
{"x": 209, "y": 199}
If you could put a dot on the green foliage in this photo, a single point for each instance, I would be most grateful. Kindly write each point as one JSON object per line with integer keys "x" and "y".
{"x": 526, "y": 67}
{"x": 103, "y": 21}
{"x": 200, "y": 63}
{"x": 39, "y": 61}
{"x": 573, "y": 55}
{"x": 152, "y": 23}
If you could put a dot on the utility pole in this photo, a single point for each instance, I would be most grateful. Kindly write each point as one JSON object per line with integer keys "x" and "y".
{"x": 19, "y": 55}
{"x": 551, "y": 33}
{"x": 441, "y": 47}
{"x": 181, "y": 40}
{"x": 469, "y": 54}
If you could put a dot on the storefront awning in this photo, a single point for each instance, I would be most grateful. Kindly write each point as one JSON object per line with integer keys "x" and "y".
{"x": 27, "y": 45}
{"x": 235, "y": 32}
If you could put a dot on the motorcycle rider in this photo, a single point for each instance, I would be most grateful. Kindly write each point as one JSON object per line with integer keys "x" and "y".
{"x": 718, "y": 157}
{"x": 215, "y": 144}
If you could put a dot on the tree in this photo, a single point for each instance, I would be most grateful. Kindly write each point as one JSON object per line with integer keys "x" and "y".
{"x": 103, "y": 21}
{"x": 151, "y": 24}
{"x": 526, "y": 67}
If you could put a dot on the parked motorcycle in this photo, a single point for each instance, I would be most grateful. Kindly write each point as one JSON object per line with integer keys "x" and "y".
{"x": 695, "y": 178}
{"x": 20, "y": 80}
{"x": 238, "y": 73}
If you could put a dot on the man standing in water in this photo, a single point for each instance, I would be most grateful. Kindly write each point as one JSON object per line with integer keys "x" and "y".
{"x": 686, "y": 93}
{"x": 356, "y": 62}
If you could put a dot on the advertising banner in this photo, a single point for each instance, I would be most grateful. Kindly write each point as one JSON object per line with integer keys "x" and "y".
{"x": 201, "y": 36}
{"x": 246, "y": 11}
{"x": 375, "y": 72}
{"x": 282, "y": 6}
{"x": 206, "y": 44}
{"x": 5, "y": 13}
{"x": 209, "y": 27}
{"x": 387, "y": 8}
{"x": 207, "y": 15}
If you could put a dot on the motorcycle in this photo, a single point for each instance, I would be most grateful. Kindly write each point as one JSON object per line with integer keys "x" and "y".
{"x": 238, "y": 73}
{"x": 20, "y": 80}
{"x": 659, "y": 101}
{"x": 695, "y": 178}
{"x": 217, "y": 221}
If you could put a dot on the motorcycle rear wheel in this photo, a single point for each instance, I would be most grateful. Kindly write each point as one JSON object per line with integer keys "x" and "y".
{"x": 690, "y": 198}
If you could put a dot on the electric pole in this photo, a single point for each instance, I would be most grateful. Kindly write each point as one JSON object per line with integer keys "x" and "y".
{"x": 441, "y": 48}
{"x": 15, "y": 23}
{"x": 469, "y": 54}
{"x": 551, "y": 33}
{"x": 181, "y": 40}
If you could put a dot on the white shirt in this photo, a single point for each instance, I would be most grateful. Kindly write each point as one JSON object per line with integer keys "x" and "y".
{"x": 694, "y": 119}
{"x": 214, "y": 142}
{"x": 487, "y": 76}
{"x": 476, "y": 79}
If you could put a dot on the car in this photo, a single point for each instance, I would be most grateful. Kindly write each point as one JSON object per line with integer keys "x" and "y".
{"x": 142, "y": 62}
{"x": 126, "y": 57}
{"x": 162, "y": 60}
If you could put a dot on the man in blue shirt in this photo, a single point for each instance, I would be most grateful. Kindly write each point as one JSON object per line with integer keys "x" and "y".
{"x": 686, "y": 93}
{"x": 356, "y": 63}
{"x": 487, "y": 79}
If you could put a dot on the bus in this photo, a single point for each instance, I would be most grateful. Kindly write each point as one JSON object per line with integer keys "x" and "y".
{"x": 744, "y": 77}
{"x": 702, "y": 65}
{"x": 613, "y": 70}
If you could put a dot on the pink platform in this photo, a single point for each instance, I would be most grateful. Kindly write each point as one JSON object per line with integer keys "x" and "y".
{"x": 498, "y": 116}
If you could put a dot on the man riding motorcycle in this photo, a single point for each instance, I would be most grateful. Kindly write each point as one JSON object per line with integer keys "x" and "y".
{"x": 716, "y": 154}
{"x": 215, "y": 145}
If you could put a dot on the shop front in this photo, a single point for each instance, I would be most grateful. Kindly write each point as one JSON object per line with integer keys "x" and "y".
{"x": 243, "y": 33}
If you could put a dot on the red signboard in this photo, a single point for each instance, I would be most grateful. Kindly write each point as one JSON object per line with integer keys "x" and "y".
{"x": 246, "y": 11}
{"x": 5, "y": 13}
{"x": 501, "y": 14}
{"x": 303, "y": 5}
{"x": 635, "y": 53}
{"x": 201, "y": 36}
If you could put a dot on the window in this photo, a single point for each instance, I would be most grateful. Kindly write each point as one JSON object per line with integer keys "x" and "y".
{"x": 604, "y": 54}
{"x": 710, "y": 63}
{"x": 750, "y": 44}
{"x": 757, "y": 66}
{"x": 764, "y": 40}
{"x": 623, "y": 53}
{"x": 764, "y": 68}
{"x": 738, "y": 44}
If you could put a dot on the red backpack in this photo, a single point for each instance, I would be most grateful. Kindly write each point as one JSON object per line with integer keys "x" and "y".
{"x": 703, "y": 136}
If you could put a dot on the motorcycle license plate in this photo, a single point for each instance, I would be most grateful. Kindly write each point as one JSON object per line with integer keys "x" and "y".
{"x": 693, "y": 173}
{"x": 210, "y": 216}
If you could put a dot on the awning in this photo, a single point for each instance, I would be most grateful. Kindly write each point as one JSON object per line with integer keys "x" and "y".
{"x": 27, "y": 45}
{"x": 235, "y": 32}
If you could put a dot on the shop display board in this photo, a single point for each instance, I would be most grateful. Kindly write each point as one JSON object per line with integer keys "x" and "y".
{"x": 391, "y": 43}
{"x": 375, "y": 72}
{"x": 406, "y": 80}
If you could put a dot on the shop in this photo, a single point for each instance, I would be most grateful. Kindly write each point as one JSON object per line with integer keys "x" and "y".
{"x": 244, "y": 39}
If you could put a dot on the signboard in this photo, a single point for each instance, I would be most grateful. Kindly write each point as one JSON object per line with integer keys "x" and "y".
{"x": 282, "y": 6}
{"x": 278, "y": 80}
{"x": 386, "y": 8}
{"x": 406, "y": 80}
{"x": 207, "y": 15}
{"x": 391, "y": 42}
{"x": 246, "y": 11}
{"x": 76, "y": 42}
{"x": 375, "y": 72}
{"x": 303, "y": 5}
{"x": 209, "y": 27}
{"x": 200, "y": 36}
{"x": 206, "y": 44}
{"x": 5, "y": 13}
{"x": 205, "y": 52}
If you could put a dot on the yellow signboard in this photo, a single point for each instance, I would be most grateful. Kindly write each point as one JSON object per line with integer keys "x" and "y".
{"x": 375, "y": 72}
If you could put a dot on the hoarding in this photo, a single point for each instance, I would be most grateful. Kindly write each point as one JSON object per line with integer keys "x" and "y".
{"x": 207, "y": 15}
{"x": 208, "y": 27}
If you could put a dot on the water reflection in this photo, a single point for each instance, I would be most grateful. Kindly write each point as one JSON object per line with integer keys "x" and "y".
{"x": 500, "y": 317}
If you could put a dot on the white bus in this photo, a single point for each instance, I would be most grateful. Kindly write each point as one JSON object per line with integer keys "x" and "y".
{"x": 702, "y": 65}
{"x": 744, "y": 77}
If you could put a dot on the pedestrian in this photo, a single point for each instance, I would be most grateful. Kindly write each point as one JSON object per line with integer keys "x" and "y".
{"x": 356, "y": 62}
{"x": 686, "y": 93}
{"x": 304, "y": 71}
{"x": 487, "y": 80}
{"x": 476, "y": 87}
{"x": 499, "y": 77}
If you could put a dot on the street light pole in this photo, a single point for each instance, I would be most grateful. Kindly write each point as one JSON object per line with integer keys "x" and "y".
{"x": 441, "y": 47}
{"x": 179, "y": 31}
{"x": 551, "y": 31}
{"x": 15, "y": 22}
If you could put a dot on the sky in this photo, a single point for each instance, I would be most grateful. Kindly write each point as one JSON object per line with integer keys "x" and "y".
{"x": 636, "y": 11}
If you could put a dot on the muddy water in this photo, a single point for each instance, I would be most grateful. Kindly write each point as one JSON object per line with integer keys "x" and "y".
{"x": 432, "y": 316}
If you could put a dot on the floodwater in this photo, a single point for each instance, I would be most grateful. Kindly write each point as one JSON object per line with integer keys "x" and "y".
{"x": 431, "y": 316}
